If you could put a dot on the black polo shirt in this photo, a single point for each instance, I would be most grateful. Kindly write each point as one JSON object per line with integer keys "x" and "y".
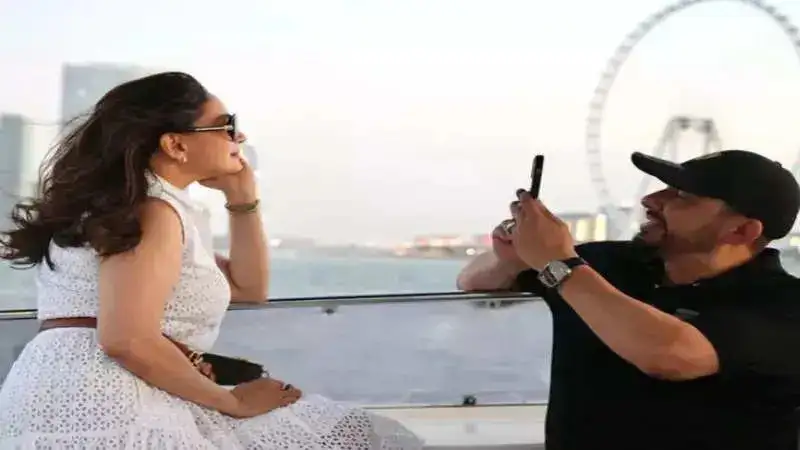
{"x": 751, "y": 315}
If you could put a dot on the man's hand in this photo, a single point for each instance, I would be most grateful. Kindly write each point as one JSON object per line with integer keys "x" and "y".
{"x": 503, "y": 244}
{"x": 540, "y": 237}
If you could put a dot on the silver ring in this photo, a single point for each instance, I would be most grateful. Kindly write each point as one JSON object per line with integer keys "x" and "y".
{"x": 287, "y": 387}
{"x": 508, "y": 225}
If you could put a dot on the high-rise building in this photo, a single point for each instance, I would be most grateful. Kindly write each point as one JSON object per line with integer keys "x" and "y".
{"x": 83, "y": 85}
{"x": 17, "y": 163}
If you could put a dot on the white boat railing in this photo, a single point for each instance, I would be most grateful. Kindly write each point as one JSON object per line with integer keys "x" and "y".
{"x": 463, "y": 378}
{"x": 346, "y": 300}
{"x": 430, "y": 337}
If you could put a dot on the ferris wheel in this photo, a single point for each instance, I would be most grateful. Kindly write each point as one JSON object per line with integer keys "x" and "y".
{"x": 619, "y": 219}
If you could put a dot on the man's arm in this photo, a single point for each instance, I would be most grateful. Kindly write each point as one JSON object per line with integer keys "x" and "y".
{"x": 496, "y": 269}
{"x": 659, "y": 344}
{"x": 488, "y": 273}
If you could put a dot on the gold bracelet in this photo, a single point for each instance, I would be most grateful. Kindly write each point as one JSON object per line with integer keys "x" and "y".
{"x": 243, "y": 208}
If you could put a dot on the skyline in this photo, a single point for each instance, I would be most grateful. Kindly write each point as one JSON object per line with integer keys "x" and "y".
{"x": 368, "y": 131}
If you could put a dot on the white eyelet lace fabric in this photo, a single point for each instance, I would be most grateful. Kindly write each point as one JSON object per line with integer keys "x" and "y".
{"x": 64, "y": 393}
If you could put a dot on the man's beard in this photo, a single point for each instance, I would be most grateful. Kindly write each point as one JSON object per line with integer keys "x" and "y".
{"x": 652, "y": 224}
{"x": 671, "y": 244}
{"x": 639, "y": 240}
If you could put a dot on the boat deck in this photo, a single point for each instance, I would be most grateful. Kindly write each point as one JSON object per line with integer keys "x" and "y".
{"x": 475, "y": 427}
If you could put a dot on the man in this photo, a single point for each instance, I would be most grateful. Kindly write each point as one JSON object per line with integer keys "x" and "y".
{"x": 687, "y": 337}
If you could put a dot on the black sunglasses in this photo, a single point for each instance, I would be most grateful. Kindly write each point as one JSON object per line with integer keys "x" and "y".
{"x": 229, "y": 127}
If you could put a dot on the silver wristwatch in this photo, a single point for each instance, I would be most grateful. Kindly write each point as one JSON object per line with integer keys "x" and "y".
{"x": 556, "y": 272}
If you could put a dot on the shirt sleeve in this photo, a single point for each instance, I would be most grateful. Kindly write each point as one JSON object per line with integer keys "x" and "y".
{"x": 755, "y": 340}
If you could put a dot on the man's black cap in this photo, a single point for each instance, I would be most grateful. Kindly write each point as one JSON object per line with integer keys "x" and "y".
{"x": 747, "y": 182}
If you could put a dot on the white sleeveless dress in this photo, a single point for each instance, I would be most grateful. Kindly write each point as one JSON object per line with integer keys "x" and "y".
{"x": 63, "y": 392}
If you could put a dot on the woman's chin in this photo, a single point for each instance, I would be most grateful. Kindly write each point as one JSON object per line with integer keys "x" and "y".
{"x": 232, "y": 166}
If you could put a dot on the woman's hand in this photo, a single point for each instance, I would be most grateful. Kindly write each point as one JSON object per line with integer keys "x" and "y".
{"x": 239, "y": 187}
{"x": 262, "y": 396}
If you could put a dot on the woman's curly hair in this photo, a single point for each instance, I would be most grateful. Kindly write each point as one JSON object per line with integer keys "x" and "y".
{"x": 96, "y": 178}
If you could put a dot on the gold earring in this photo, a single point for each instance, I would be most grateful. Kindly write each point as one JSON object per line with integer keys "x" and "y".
{"x": 183, "y": 159}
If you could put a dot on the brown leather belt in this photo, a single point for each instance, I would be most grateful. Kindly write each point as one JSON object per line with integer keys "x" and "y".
{"x": 194, "y": 357}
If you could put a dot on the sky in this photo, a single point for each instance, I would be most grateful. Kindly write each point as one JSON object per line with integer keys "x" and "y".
{"x": 376, "y": 121}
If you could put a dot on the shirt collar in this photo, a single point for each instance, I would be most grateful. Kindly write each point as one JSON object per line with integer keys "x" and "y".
{"x": 767, "y": 262}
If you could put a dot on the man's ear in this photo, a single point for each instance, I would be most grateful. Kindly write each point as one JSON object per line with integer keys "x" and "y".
{"x": 746, "y": 232}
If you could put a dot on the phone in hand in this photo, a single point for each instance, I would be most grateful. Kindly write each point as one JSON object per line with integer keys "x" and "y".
{"x": 536, "y": 183}
{"x": 536, "y": 175}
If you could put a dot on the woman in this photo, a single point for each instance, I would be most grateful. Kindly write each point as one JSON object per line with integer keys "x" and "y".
{"x": 125, "y": 280}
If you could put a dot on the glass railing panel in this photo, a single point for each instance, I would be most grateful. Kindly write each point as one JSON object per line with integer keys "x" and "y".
{"x": 313, "y": 273}
{"x": 14, "y": 334}
{"x": 301, "y": 273}
{"x": 17, "y": 287}
{"x": 375, "y": 351}
{"x": 412, "y": 353}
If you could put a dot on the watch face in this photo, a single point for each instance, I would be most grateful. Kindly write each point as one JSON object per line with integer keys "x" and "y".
{"x": 554, "y": 273}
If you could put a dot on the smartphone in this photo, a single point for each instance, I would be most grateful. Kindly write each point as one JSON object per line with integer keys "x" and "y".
{"x": 536, "y": 175}
{"x": 536, "y": 183}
